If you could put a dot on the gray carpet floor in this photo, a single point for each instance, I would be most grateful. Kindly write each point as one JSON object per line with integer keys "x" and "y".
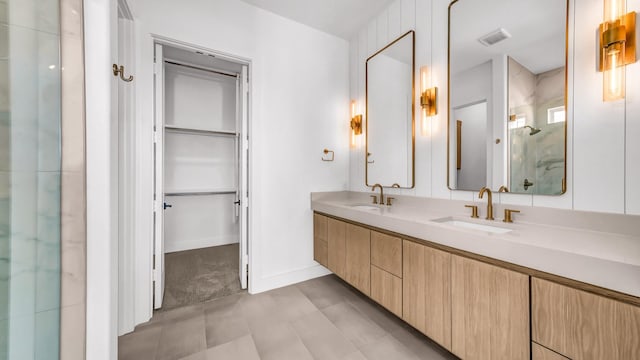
{"x": 196, "y": 276}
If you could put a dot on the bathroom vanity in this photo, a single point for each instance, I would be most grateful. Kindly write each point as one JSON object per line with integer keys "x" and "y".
{"x": 555, "y": 284}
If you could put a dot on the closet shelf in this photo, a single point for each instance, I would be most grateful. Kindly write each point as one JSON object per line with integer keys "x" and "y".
{"x": 200, "y": 192}
{"x": 195, "y": 131}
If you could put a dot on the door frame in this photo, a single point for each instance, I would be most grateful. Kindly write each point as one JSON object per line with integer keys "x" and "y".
{"x": 101, "y": 199}
{"x": 126, "y": 171}
{"x": 165, "y": 41}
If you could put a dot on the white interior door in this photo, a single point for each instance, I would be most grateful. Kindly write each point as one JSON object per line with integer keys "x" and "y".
{"x": 243, "y": 188}
{"x": 158, "y": 211}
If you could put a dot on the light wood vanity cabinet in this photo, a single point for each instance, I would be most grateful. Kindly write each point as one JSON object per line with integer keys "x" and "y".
{"x": 426, "y": 292}
{"x": 320, "y": 240}
{"x": 489, "y": 312}
{"x": 386, "y": 271}
{"x": 581, "y": 325}
{"x": 474, "y": 309}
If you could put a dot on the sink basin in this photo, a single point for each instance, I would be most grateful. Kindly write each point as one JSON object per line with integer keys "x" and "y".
{"x": 473, "y": 226}
{"x": 365, "y": 207}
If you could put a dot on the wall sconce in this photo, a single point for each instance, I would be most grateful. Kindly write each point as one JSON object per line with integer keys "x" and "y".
{"x": 428, "y": 100}
{"x": 356, "y": 124}
{"x": 617, "y": 47}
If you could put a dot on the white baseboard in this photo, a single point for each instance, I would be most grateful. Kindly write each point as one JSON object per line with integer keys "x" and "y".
{"x": 288, "y": 278}
{"x": 199, "y": 243}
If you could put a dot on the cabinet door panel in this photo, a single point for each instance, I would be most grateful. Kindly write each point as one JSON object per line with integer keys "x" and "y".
{"x": 321, "y": 252}
{"x": 426, "y": 295}
{"x": 490, "y": 311}
{"x": 548, "y": 314}
{"x": 320, "y": 245}
{"x": 386, "y": 290}
{"x": 320, "y": 226}
{"x": 386, "y": 253}
{"x": 510, "y": 334}
{"x": 413, "y": 285}
{"x": 628, "y": 331}
{"x": 337, "y": 239}
{"x": 358, "y": 258}
{"x": 591, "y": 334}
{"x": 437, "y": 271}
{"x": 590, "y": 326}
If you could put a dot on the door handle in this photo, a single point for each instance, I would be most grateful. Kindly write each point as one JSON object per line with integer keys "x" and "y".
{"x": 237, "y": 202}
{"x": 167, "y": 206}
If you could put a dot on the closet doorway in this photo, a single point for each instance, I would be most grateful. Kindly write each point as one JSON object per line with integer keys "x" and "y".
{"x": 201, "y": 165}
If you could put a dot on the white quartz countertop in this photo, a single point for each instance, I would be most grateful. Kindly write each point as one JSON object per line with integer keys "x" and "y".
{"x": 592, "y": 250}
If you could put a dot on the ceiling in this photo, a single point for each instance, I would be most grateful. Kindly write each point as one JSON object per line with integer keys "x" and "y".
{"x": 342, "y": 18}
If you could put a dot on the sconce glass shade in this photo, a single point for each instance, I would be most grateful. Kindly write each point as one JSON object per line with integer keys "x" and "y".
{"x": 617, "y": 47}
{"x": 613, "y": 72}
{"x": 428, "y": 101}
{"x": 613, "y": 9}
{"x": 355, "y": 124}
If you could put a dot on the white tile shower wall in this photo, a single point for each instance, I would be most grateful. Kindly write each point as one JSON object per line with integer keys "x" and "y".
{"x": 602, "y": 154}
{"x": 299, "y": 106}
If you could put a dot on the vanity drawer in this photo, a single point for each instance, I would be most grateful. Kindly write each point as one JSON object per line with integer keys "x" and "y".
{"x": 581, "y": 325}
{"x": 386, "y": 290}
{"x": 386, "y": 253}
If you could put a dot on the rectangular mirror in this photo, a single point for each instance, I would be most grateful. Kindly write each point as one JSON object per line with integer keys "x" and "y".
{"x": 390, "y": 138}
{"x": 507, "y": 95}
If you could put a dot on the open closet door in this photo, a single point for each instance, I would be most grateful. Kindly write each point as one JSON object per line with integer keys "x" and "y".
{"x": 243, "y": 188}
{"x": 158, "y": 203}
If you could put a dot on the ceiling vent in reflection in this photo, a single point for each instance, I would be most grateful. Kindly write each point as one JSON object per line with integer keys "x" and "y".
{"x": 494, "y": 37}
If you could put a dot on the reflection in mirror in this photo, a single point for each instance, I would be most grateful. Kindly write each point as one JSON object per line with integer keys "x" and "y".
{"x": 507, "y": 95}
{"x": 390, "y": 114}
{"x": 536, "y": 130}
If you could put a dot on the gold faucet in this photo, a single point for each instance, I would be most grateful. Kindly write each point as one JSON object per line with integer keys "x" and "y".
{"x": 489, "y": 201}
{"x": 503, "y": 189}
{"x": 373, "y": 188}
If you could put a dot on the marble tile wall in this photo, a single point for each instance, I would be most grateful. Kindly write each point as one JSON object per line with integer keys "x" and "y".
{"x": 30, "y": 171}
{"x": 42, "y": 232}
{"x": 73, "y": 205}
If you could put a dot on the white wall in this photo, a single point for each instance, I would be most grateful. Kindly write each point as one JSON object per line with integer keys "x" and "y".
{"x": 603, "y": 154}
{"x": 299, "y": 106}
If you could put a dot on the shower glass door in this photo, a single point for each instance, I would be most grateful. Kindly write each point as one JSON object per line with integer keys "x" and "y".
{"x": 29, "y": 179}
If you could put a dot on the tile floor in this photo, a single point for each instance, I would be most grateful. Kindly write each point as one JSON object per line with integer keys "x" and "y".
{"x": 323, "y": 318}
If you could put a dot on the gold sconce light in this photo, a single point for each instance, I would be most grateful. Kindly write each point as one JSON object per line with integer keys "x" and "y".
{"x": 428, "y": 100}
{"x": 617, "y": 47}
{"x": 356, "y": 123}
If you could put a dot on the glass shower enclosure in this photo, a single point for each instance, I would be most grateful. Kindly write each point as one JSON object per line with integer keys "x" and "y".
{"x": 30, "y": 169}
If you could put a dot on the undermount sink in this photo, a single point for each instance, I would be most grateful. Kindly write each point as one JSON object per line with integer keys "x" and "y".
{"x": 472, "y": 226}
{"x": 365, "y": 207}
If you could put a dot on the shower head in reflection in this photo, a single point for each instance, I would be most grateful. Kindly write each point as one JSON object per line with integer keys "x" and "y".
{"x": 533, "y": 130}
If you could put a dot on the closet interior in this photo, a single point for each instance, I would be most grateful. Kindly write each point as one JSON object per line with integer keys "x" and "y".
{"x": 201, "y": 157}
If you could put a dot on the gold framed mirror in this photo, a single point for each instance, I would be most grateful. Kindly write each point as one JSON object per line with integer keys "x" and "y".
{"x": 507, "y": 98}
{"x": 390, "y": 115}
